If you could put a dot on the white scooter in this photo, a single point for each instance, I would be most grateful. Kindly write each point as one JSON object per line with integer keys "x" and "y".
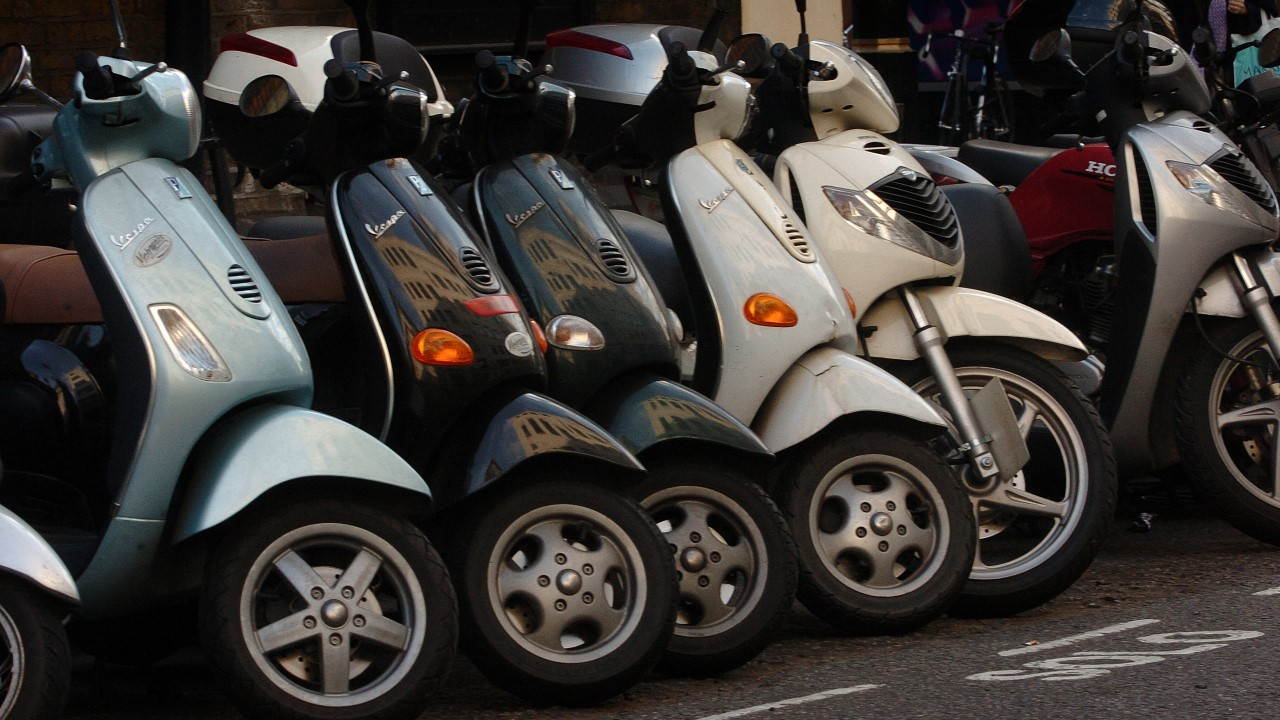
{"x": 881, "y": 524}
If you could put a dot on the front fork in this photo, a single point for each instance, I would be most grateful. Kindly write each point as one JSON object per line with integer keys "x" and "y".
{"x": 974, "y": 442}
{"x": 1257, "y": 301}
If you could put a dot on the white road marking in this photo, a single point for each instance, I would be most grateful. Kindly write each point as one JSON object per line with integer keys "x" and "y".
{"x": 1272, "y": 591}
{"x": 791, "y": 701}
{"x": 1077, "y": 638}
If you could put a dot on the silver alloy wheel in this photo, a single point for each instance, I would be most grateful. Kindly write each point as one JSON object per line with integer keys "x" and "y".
{"x": 718, "y": 554}
{"x": 1244, "y": 415}
{"x": 563, "y": 582}
{"x": 333, "y": 614}
{"x": 1027, "y": 520}
{"x": 875, "y": 526}
{"x": 13, "y": 664}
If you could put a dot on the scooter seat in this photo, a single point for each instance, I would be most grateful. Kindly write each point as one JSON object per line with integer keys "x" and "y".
{"x": 301, "y": 269}
{"x": 1265, "y": 87}
{"x": 46, "y": 285}
{"x": 1004, "y": 163}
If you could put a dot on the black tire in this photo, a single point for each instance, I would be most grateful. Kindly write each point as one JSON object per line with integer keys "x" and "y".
{"x": 282, "y": 567}
{"x": 35, "y": 662}
{"x": 567, "y": 592}
{"x": 139, "y": 639}
{"x": 735, "y": 562}
{"x": 883, "y": 530}
{"x": 1029, "y": 552}
{"x": 1230, "y": 466}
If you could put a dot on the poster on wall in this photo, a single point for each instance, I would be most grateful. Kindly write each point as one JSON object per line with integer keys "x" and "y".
{"x": 935, "y": 23}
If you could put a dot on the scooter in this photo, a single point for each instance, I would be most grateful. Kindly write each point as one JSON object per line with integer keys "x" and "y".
{"x": 566, "y": 587}
{"x": 317, "y": 595}
{"x": 1043, "y": 497}
{"x": 882, "y": 528}
{"x": 36, "y": 594}
{"x": 613, "y": 352}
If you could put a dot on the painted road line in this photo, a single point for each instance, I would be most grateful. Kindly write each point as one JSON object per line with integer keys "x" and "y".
{"x": 1110, "y": 629}
{"x": 791, "y": 701}
{"x": 1272, "y": 591}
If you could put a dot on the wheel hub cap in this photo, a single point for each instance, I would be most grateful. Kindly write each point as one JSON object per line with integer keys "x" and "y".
{"x": 569, "y": 582}
{"x": 881, "y": 524}
{"x": 334, "y": 614}
{"x": 693, "y": 560}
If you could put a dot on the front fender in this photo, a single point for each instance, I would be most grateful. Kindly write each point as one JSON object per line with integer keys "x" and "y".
{"x": 25, "y": 554}
{"x": 533, "y": 425}
{"x": 263, "y": 447}
{"x": 959, "y": 312}
{"x": 827, "y": 384}
{"x": 647, "y": 410}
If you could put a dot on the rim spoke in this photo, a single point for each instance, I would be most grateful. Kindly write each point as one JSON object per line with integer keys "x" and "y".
{"x": 335, "y": 665}
{"x": 284, "y": 633}
{"x": 548, "y": 634}
{"x": 1007, "y": 497}
{"x": 1027, "y": 417}
{"x": 737, "y": 556}
{"x": 360, "y": 573}
{"x": 299, "y": 574}
{"x": 1263, "y": 413}
{"x": 882, "y": 571}
{"x": 918, "y": 537}
{"x": 384, "y": 631}
{"x": 1275, "y": 463}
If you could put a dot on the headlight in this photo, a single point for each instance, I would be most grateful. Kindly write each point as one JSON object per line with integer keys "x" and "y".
{"x": 867, "y": 212}
{"x": 1205, "y": 183}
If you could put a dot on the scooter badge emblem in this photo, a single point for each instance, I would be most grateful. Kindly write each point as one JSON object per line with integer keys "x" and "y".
{"x": 907, "y": 173}
{"x": 379, "y": 230}
{"x": 563, "y": 180}
{"x": 519, "y": 344}
{"x": 420, "y": 185}
{"x": 743, "y": 167}
{"x": 178, "y": 188}
{"x": 711, "y": 205}
{"x": 518, "y": 220}
{"x": 152, "y": 250}
{"x": 123, "y": 241}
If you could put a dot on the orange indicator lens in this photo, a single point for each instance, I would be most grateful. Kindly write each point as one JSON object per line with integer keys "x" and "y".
{"x": 769, "y": 310}
{"x": 434, "y": 346}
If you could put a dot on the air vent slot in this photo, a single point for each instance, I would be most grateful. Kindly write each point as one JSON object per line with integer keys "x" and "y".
{"x": 243, "y": 284}
{"x": 877, "y": 147}
{"x": 1244, "y": 176}
{"x": 1146, "y": 196}
{"x": 476, "y": 266}
{"x": 915, "y": 197}
{"x": 797, "y": 239}
{"x": 615, "y": 261}
{"x": 1202, "y": 126}
{"x": 797, "y": 202}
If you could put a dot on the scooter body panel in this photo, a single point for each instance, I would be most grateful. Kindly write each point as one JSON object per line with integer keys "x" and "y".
{"x": 965, "y": 312}
{"x": 643, "y": 410}
{"x": 28, "y": 556}
{"x": 162, "y": 247}
{"x": 827, "y": 384}
{"x": 264, "y": 447}
{"x": 735, "y": 239}
{"x": 566, "y": 255}
{"x": 1159, "y": 273}
{"x": 867, "y": 266}
{"x": 1068, "y": 199}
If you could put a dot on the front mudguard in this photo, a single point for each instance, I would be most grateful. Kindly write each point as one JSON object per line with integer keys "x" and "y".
{"x": 266, "y": 446}
{"x": 25, "y": 554}
{"x": 958, "y": 312}
{"x": 647, "y": 410}
{"x": 827, "y": 384}
{"x": 532, "y": 426}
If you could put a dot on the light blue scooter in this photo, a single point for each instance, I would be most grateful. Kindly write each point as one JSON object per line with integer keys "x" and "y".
{"x": 217, "y": 482}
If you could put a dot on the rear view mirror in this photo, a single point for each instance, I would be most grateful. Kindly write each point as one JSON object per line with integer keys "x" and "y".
{"x": 753, "y": 50}
{"x": 265, "y": 96}
{"x": 15, "y": 67}
{"x": 1269, "y": 49}
{"x": 1055, "y": 44}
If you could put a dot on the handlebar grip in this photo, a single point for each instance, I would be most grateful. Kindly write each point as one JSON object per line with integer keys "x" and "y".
{"x": 342, "y": 84}
{"x": 680, "y": 64}
{"x": 97, "y": 79}
{"x": 788, "y": 61}
{"x": 493, "y": 77}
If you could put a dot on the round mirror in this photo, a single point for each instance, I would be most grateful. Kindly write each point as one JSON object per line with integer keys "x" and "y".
{"x": 15, "y": 67}
{"x": 266, "y": 95}
{"x": 752, "y": 50}
{"x": 1056, "y": 43}
{"x": 1269, "y": 49}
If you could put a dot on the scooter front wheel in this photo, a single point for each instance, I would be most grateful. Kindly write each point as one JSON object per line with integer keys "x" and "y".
{"x": 567, "y": 591}
{"x": 328, "y": 610}
{"x": 734, "y": 558}
{"x": 35, "y": 663}
{"x": 883, "y": 530}
{"x": 1039, "y": 530}
{"x": 1227, "y": 429}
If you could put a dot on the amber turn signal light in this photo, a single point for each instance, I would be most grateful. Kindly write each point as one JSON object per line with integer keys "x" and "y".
{"x": 768, "y": 310}
{"x": 853, "y": 307}
{"x": 434, "y": 346}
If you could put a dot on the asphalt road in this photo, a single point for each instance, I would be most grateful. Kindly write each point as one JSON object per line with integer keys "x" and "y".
{"x": 1179, "y": 622}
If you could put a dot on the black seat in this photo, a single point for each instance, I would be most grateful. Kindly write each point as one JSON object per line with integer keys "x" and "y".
{"x": 1004, "y": 163}
{"x": 997, "y": 257}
